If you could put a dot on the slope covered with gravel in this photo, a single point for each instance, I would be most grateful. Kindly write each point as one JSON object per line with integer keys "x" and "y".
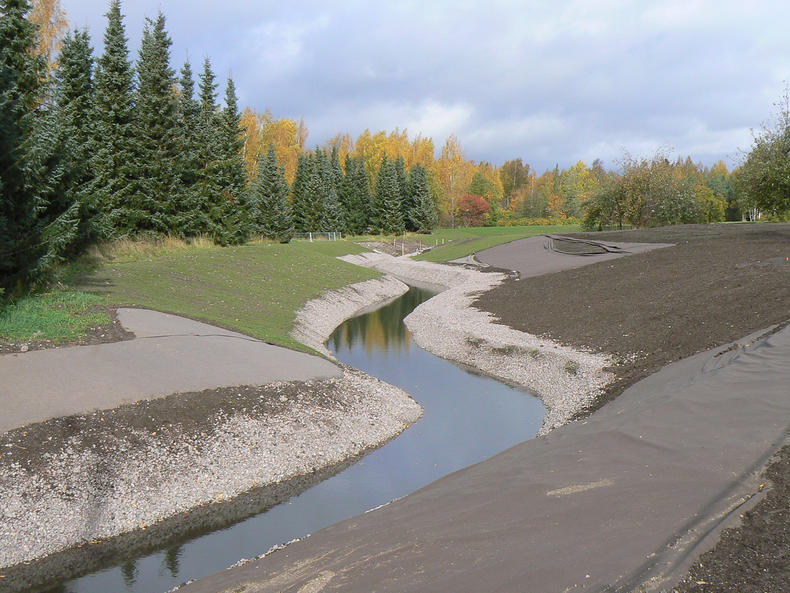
{"x": 71, "y": 481}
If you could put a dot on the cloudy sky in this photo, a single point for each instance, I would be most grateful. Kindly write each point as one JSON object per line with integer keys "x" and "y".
{"x": 550, "y": 82}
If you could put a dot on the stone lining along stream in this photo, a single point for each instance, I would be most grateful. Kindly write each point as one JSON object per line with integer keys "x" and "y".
{"x": 467, "y": 418}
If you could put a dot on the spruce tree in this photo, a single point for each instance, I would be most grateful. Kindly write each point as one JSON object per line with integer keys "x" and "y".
{"x": 422, "y": 214}
{"x": 155, "y": 128}
{"x": 21, "y": 93}
{"x": 270, "y": 211}
{"x": 231, "y": 212}
{"x": 113, "y": 159}
{"x": 73, "y": 110}
{"x": 209, "y": 189}
{"x": 313, "y": 195}
{"x": 299, "y": 192}
{"x": 332, "y": 216}
{"x": 345, "y": 192}
{"x": 190, "y": 210}
{"x": 336, "y": 170}
{"x": 387, "y": 216}
{"x": 403, "y": 188}
{"x": 355, "y": 196}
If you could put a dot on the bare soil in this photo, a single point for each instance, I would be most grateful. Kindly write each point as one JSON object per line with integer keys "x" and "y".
{"x": 716, "y": 285}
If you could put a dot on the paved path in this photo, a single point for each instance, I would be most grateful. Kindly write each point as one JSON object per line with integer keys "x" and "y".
{"x": 530, "y": 257}
{"x": 169, "y": 354}
{"x": 600, "y": 505}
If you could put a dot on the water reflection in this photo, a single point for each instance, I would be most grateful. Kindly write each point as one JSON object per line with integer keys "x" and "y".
{"x": 171, "y": 558}
{"x": 382, "y": 330}
{"x": 467, "y": 418}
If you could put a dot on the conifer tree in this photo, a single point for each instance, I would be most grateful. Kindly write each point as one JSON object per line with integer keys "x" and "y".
{"x": 332, "y": 216}
{"x": 21, "y": 240}
{"x": 345, "y": 192}
{"x": 112, "y": 162}
{"x": 422, "y": 214}
{"x": 313, "y": 194}
{"x": 387, "y": 215}
{"x": 155, "y": 128}
{"x": 335, "y": 169}
{"x": 298, "y": 192}
{"x": 403, "y": 185}
{"x": 209, "y": 189}
{"x": 270, "y": 211}
{"x": 73, "y": 110}
{"x": 231, "y": 213}
{"x": 355, "y": 196}
{"x": 190, "y": 216}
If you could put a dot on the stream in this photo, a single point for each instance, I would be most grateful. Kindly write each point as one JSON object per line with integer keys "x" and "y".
{"x": 467, "y": 418}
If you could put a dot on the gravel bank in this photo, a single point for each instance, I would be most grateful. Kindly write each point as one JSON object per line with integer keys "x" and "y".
{"x": 71, "y": 481}
{"x": 567, "y": 380}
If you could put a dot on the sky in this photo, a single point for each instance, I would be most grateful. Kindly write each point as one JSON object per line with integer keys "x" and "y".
{"x": 548, "y": 82}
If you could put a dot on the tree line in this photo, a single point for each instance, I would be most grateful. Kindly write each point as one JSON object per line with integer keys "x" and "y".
{"x": 100, "y": 148}
{"x": 95, "y": 148}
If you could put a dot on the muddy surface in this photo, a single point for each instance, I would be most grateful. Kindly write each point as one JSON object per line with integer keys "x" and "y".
{"x": 717, "y": 284}
{"x": 754, "y": 557}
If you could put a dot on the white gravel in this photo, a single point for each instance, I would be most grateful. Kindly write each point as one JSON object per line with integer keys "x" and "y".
{"x": 565, "y": 379}
{"x": 79, "y": 495}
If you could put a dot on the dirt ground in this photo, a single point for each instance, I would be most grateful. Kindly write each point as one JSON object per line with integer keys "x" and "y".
{"x": 716, "y": 285}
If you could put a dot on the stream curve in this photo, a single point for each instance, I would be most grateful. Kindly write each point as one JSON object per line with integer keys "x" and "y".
{"x": 467, "y": 418}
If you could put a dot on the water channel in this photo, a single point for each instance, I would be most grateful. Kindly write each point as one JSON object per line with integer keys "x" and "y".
{"x": 467, "y": 418}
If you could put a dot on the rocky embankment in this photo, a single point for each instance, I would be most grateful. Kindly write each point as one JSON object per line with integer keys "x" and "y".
{"x": 102, "y": 474}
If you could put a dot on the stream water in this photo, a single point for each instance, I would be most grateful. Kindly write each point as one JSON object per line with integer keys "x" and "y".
{"x": 467, "y": 418}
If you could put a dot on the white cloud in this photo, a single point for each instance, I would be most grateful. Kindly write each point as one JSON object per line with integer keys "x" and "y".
{"x": 278, "y": 47}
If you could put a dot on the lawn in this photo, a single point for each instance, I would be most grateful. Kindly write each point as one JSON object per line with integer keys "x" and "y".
{"x": 460, "y": 242}
{"x": 58, "y": 315}
{"x": 255, "y": 289}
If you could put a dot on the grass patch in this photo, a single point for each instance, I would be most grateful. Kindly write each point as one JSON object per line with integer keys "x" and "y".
{"x": 508, "y": 350}
{"x": 60, "y": 316}
{"x": 134, "y": 249}
{"x": 572, "y": 367}
{"x": 461, "y": 242}
{"x": 255, "y": 288}
{"x": 474, "y": 342}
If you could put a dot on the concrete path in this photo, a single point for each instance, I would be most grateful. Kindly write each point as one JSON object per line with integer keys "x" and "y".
{"x": 169, "y": 354}
{"x": 621, "y": 499}
{"x": 530, "y": 257}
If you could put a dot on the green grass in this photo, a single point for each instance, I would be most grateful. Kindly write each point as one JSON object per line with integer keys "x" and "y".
{"x": 255, "y": 289}
{"x": 60, "y": 316}
{"x": 460, "y": 242}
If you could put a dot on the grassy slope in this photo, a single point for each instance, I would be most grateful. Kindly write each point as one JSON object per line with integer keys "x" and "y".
{"x": 255, "y": 289}
{"x": 465, "y": 241}
{"x": 59, "y": 316}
